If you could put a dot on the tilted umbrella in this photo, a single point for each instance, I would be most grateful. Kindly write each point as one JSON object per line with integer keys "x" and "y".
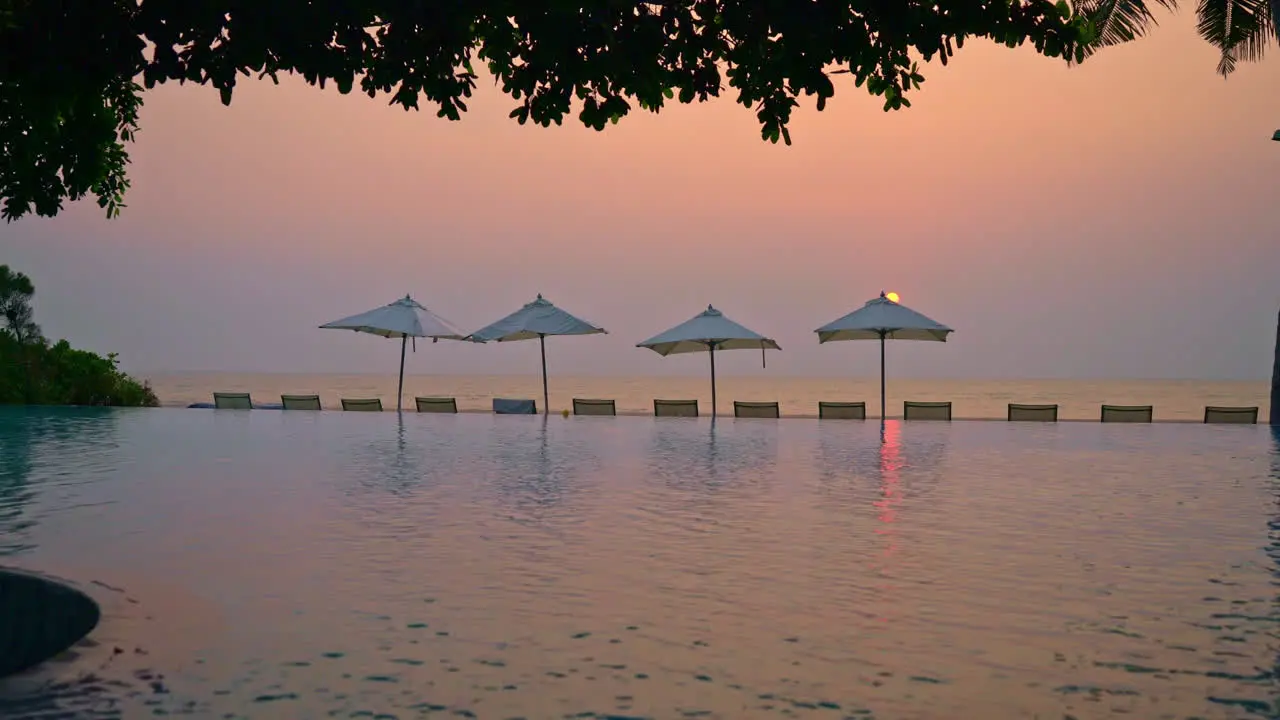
{"x": 883, "y": 318}
{"x": 537, "y": 319}
{"x": 403, "y": 319}
{"x": 708, "y": 331}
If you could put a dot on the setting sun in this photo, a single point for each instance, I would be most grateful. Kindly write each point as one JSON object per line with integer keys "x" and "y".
{"x": 891, "y": 297}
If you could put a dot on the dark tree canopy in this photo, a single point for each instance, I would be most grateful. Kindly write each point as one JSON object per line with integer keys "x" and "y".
{"x": 35, "y": 371}
{"x": 72, "y": 72}
{"x": 16, "y": 291}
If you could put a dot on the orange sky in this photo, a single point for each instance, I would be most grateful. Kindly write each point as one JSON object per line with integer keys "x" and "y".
{"x": 1116, "y": 219}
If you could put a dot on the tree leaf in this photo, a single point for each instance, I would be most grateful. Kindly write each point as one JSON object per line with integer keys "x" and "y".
{"x": 69, "y": 101}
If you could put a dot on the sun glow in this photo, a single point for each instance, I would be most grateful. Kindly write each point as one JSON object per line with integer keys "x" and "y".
{"x": 891, "y": 297}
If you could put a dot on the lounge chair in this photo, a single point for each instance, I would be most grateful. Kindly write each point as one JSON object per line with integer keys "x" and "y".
{"x": 300, "y": 402}
{"x": 1033, "y": 413}
{"x": 756, "y": 410}
{"x": 232, "y": 401}
{"x": 362, "y": 405}
{"x": 505, "y": 406}
{"x": 842, "y": 411}
{"x": 594, "y": 407}
{"x": 1126, "y": 413}
{"x": 1231, "y": 415}
{"x": 675, "y": 408}
{"x": 926, "y": 410}
{"x": 436, "y": 404}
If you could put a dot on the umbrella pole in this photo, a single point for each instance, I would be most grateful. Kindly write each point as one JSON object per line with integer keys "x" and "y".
{"x": 404, "y": 340}
{"x": 882, "y": 410}
{"x": 713, "y": 380}
{"x": 546, "y": 402}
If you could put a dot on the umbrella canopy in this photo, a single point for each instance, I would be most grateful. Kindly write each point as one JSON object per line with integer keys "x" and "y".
{"x": 707, "y": 328}
{"x": 883, "y": 319}
{"x": 883, "y": 316}
{"x": 537, "y": 319}
{"x": 404, "y": 318}
{"x": 708, "y": 331}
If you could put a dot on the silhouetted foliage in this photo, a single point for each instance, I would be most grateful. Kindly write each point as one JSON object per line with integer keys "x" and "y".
{"x": 68, "y": 68}
{"x": 35, "y": 372}
{"x": 1239, "y": 29}
{"x": 16, "y": 292}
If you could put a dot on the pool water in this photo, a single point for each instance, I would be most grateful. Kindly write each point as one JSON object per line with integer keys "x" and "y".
{"x": 308, "y": 565}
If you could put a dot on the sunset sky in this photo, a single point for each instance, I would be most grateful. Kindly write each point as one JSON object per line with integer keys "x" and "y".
{"x": 1118, "y": 219}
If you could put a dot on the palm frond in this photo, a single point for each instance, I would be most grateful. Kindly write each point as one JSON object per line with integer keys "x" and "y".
{"x": 1120, "y": 21}
{"x": 1240, "y": 29}
{"x": 1226, "y": 63}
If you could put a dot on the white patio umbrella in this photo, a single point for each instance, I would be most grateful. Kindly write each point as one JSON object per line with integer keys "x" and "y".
{"x": 883, "y": 319}
{"x": 403, "y": 319}
{"x": 537, "y": 319}
{"x": 708, "y": 331}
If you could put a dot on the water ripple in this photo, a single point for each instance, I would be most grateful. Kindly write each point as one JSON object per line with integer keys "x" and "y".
{"x": 351, "y": 565}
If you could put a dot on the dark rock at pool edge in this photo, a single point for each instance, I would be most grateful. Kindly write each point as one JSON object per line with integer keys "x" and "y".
{"x": 39, "y": 618}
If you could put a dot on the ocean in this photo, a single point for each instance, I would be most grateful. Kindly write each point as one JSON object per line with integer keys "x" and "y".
{"x": 1182, "y": 400}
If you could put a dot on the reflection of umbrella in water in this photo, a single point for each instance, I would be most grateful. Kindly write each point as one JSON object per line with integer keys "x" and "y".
{"x": 1274, "y": 550}
{"x": 911, "y": 466}
{"x": 390, "y": 464}
{"x": 1275, "y": 453}
{"x": 686, "y": 459}
{"x": 891, "y": 463}
{"x": 700, "y": 476}
{"x": 1273, "y": 525}
{"x": 709, "y": 331}
{"x": 403, "y": 319}
{"x": 883, "y": 319}
{"x": 537, "y": 319}
{"x": 536, "y": 474}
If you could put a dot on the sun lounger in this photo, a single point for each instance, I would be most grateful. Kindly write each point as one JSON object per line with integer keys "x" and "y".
{"x": 675, "y": 408}
{"x": 594, "y": 407}
{"x": 300, "y": 402}
{"x": 232, "y": 401}
{"x": 1126, "y": 413}
{"x": 505, "y": 406}
{"x": 1032, "y": 413}
{"x": 1231, "y": 415}
{"x": 926, "y": 410}
{"x": 756, "y": 409}
{"x": 362, "y": 405}
{"x": 436, "y": 404}
{"x": 842, "y": 411}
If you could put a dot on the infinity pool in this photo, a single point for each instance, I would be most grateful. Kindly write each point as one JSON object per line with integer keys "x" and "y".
{"x": 309, "y": 565}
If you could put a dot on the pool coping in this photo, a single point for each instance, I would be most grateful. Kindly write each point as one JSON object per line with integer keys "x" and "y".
{"x": 729, "y": 416}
